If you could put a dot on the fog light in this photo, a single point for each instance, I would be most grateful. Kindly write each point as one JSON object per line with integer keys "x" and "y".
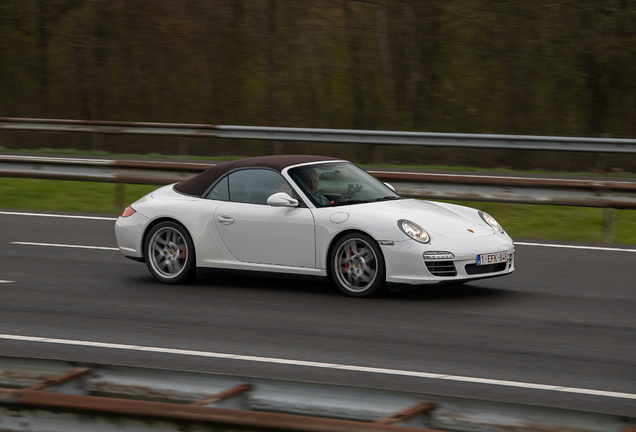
{"x": 437, "y": 255}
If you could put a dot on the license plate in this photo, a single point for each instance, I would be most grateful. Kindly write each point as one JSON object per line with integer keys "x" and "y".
{"x": 492, "y": 258}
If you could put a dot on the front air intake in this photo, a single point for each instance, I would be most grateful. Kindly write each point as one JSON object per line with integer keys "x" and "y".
{"x": 474, "y": 269}
{"x": 441, "y": 268}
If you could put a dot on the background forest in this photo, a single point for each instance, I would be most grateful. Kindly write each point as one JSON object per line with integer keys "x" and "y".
{"x": 546, "y": 67}
{"x": 539, "y": 67}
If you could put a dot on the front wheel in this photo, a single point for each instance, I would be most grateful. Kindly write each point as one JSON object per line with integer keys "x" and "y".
{"x": 357, "y": 265}
{"x": 169, "y": 253}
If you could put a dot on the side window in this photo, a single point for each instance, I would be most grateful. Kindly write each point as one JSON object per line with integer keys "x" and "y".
{"x": 254, "y": 186}
{"x": 220, "y": 191}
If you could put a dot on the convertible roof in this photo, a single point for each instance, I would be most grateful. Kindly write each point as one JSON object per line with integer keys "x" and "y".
{"x": 198, "y": 184}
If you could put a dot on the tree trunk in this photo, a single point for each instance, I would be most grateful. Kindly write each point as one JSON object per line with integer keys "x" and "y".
{"x": 102, "y": 53}
{"x": 355, "y": 70}
{"x": 387, "y": 66}
{"x": 413, "y": 57}
{"x": 273, "y": 96}
{"x": 42, "y": 32}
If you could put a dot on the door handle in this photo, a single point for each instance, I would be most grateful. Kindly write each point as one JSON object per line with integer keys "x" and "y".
{"x": 225, "y": 220}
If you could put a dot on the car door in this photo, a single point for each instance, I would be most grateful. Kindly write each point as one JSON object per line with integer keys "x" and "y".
{"x": 256, "y": 232}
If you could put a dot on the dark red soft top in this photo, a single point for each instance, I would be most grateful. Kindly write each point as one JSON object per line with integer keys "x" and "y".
{"x": 198, "y": 184}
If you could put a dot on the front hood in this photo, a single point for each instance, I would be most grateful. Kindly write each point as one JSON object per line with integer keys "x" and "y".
{"x": 434, "y": 218}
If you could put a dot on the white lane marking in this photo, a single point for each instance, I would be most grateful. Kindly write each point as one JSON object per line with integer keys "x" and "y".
{"x": 58, "y": 216}
{"x": 336, "y": 366}
{"x": 3, "y": 281}
{"x": 576, "y": 247}
{"x": 517, "y": 243}
{"x": 65, "y": 245}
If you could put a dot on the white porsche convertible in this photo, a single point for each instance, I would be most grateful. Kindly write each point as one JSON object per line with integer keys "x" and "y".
{"x": 310, "y": 215}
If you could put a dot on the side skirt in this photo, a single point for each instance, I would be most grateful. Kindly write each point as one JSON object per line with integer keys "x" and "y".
{"x": 209, "y": 271}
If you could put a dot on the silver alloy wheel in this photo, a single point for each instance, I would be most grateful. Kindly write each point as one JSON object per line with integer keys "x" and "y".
{"x": 356, "y": 265}
{"x": 168, "y": 252}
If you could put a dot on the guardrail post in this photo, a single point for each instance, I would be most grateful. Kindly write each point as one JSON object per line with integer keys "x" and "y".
{"x": 120, "y": 197}
{"x": 378, "y": 154}
{"x": 279, "y": 148}
{"x": 70, "y": 383}
{"x": 227, "y": 394}
{"x": 601, "y": 162}
{"x": 98, "y": 142}
{"x": 609, "y": 226}
{"x": 182, "y": 146}
{"x": 408, "y": 414}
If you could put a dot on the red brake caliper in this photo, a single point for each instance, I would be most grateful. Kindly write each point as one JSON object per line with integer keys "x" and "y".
{"x": 347, "y": 263}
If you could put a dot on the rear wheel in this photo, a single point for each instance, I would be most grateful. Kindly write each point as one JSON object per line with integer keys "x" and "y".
{"x": 169, "y": 253}
{"x": 357, "y": 265}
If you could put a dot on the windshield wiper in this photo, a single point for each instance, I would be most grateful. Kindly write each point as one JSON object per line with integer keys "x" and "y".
{"x": 351, "y": 202}
{"x": 388, "y": 198}
{"x": 356, "y": 201}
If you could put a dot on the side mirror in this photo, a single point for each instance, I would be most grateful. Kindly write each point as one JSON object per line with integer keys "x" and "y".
{"x": 281, "y": 199}
{"x": 390, "y": 186}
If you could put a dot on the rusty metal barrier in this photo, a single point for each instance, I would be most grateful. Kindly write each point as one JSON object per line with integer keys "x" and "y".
{"x": 48, "y": 395}
{"x": 522, "y": 190}
{"x": 179, "y": 413}
{"x": 538, "y": 190}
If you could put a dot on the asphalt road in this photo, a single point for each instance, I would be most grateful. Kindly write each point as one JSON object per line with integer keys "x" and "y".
{"x": 566, "y": 317}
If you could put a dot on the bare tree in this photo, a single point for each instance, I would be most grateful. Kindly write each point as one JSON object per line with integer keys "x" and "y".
{"x": 355, "y": 66}
{"x": 413, "y": 55}
{"x": 387, "y": 66}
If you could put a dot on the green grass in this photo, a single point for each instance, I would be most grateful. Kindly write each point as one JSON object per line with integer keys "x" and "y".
{"x": 583, "y": 224}
{"x": 520, "y": 220}
{"x": 69, "y": 196}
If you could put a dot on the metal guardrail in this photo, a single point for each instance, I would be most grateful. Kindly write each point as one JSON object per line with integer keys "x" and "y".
{"x": 98, "y": 170}
{"x": 507, "y": 189}
{"x": 46, "y": 395}
{"x": 588, "y": 193}
{"x": 382, "y": 138}
{"x": 609, "y": 195}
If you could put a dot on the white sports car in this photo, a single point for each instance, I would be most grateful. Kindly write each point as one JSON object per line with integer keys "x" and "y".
{"x": 310, "y": 215}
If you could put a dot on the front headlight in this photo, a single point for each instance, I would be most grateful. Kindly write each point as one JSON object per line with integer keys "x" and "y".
{"x": 414, "y": 231}
{"x": 491, "y": 221}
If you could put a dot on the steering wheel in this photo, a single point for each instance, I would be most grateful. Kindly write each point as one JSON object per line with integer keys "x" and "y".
{"x": 350, "y": 192}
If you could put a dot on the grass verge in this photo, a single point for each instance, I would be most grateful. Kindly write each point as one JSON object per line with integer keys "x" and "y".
{"x": 68, "y": 196}
{"x": 582, "y": 224}
{"x": 520, "y": 220}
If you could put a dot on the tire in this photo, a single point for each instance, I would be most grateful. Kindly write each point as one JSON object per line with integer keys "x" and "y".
{"x": 169, "y": 253}
{"x": 356, "y": 265}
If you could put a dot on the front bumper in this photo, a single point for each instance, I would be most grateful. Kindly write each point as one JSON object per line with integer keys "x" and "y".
{"x": 405, "y": 264}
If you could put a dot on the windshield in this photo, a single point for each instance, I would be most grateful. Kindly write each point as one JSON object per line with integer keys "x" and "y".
{"x": 340, "y": 183}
